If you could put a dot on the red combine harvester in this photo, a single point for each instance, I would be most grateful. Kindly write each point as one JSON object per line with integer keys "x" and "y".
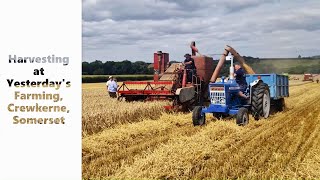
{"x": 170, "y": 83}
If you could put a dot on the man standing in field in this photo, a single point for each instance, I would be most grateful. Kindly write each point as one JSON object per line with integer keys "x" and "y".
{"x": 112, "y": 87}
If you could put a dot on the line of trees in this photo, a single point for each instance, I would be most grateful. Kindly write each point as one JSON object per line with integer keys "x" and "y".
{"x": 111, "y": 68}
{"x": 297, "y": 66}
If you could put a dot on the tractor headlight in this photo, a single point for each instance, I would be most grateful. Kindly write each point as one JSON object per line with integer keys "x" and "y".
{"x": 223, "y": 101}
{"x": 215, "y": 101}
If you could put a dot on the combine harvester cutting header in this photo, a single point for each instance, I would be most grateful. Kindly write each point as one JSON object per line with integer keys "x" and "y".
{"x": 220, "y": 98}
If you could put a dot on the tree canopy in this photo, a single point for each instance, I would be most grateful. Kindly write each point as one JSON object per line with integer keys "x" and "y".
{"x": 97, "y": 67}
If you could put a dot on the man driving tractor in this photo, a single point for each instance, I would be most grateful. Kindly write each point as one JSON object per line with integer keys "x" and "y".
{"x": 240, "y": 76}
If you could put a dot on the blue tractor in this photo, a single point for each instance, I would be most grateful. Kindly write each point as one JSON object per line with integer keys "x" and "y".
{"x": 264, "y": 91}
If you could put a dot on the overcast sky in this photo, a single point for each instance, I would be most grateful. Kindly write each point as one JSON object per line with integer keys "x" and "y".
{"x": 135, "y": 29}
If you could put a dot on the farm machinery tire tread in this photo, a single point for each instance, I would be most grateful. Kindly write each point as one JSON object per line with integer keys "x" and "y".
{"x": 257, "y": 100}
{"x": 242, "y": 117}
{"x": 197, "y": 119}
{"x": 280, "y": 105}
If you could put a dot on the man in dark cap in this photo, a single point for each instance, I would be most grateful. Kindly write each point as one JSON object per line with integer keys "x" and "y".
{"x": 240, "y": 76}
{"x": 190, "y": 67}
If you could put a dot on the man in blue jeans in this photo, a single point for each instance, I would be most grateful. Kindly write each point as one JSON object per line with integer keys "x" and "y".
{"x": 112, "y": 87}
{"x": 240, "y": 75}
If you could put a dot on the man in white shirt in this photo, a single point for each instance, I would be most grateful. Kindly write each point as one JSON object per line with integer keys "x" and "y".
{"x": 112, "y": 87}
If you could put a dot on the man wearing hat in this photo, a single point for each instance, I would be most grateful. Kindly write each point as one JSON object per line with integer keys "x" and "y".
{"x": 190, "y": 66}
{"x": 240, "y": 75}
{"x": 112, "y": 87}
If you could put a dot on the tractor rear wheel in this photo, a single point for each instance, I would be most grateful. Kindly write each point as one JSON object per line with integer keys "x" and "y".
{"x": 197, "y": 118}
{"x": 260, "y": 104}
{"x": 242, "y": 117}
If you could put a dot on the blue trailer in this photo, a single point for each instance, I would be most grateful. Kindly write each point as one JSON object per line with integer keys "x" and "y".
{"x": 263, "y": 90}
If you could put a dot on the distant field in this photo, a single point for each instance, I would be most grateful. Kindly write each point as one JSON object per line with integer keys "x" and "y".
{"x": 294, "y": 66}
{"x": 288, "y": 63}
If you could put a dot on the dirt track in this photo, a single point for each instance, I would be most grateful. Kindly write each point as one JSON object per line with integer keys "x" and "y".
{"x": 287, "y": 145}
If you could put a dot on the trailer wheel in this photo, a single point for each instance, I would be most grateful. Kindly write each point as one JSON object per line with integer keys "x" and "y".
{"x": 242, "y": 117}
{"x": 280, "y": 105}
{"x": 197, "y": 118}
{"x": 260, "y": 104}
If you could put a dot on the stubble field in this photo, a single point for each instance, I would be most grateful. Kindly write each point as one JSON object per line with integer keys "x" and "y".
{"x": 140, "y": 141}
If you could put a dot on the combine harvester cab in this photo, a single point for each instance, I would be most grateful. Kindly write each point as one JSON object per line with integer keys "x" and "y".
{"x": 170, "y": 83}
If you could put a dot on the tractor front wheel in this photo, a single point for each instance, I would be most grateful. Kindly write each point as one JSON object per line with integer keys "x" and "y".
{"x": 242, "y": 117}
{"x": 198, "y": 118}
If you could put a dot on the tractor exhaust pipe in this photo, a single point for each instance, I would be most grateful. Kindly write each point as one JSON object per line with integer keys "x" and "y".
{"x": 193, "y": 48}
{"x": 231, "y": 69}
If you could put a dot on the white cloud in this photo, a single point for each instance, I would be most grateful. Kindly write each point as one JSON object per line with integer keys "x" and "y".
{"x": 125, "y": 29}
